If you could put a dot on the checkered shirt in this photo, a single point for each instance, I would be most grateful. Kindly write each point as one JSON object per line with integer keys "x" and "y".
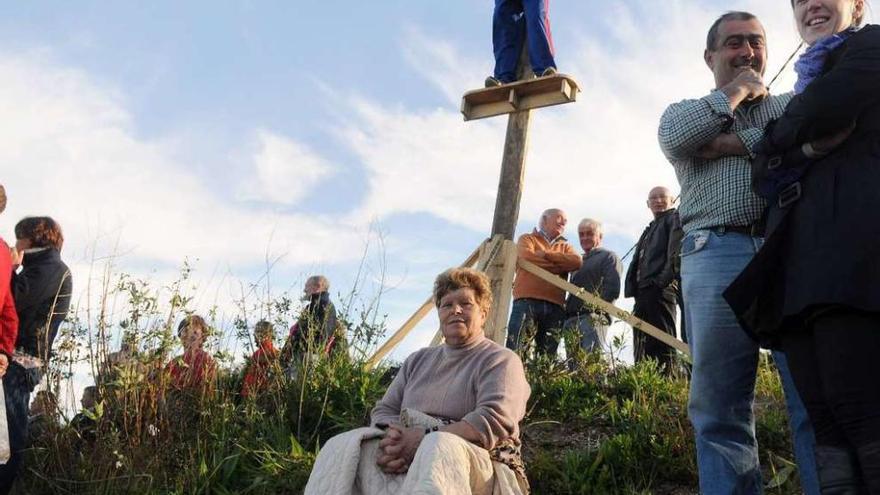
{"x": 716, "y": 192}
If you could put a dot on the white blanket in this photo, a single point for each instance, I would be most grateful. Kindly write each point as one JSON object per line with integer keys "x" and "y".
{"x": 445, "y": 464}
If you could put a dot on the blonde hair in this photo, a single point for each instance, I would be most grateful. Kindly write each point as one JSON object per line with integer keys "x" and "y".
{"x": 464, "y": 278}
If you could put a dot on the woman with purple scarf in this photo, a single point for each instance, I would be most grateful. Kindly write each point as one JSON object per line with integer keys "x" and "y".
{"x": 814, "y": 288}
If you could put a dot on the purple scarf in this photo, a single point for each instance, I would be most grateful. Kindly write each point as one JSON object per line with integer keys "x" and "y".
{"x": 810, "y": 64}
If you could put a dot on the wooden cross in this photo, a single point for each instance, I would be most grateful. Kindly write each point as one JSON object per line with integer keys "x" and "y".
{"x": 518, "y": 100}
{"x": 498, "y": 256}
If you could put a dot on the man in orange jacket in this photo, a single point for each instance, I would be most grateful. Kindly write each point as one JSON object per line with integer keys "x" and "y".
{"x": 535, "y": 302}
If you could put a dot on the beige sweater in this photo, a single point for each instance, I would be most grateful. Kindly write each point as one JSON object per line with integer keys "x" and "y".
{"x": 482, "y": 383}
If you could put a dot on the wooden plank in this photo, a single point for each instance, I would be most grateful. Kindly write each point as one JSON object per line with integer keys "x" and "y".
{"x": 604, "y": 305}
{"x": 519, "y": 96}
{"x": 412, "y": 321}
{"x": 500, "y": 271}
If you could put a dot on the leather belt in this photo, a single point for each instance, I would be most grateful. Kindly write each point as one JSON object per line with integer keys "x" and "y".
{"x": 754, "y": 230}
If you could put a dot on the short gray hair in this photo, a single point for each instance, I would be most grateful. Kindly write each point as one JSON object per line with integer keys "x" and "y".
{"x": 589, "y": 222}
{"x": 550, "y": 211}
{"x": 319, "y": 280}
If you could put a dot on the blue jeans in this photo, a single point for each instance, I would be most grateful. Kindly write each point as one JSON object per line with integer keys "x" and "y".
{"x": 517, "y": 21}
{"x": 18, "y": 383}
{"x": 592, "y": 332}
{"x": 544, "y": 316}
{"x": 725, "y": 362}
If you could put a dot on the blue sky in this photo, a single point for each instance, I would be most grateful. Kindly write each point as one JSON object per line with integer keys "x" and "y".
{"x": 227, "y": 132}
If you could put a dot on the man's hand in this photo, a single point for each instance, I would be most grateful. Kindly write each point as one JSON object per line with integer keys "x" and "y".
{"x": 4, "y": 364}
{"x": 723, "y": 145}
{"x": 398, "y": 448}
{"x": 748, "y": 85}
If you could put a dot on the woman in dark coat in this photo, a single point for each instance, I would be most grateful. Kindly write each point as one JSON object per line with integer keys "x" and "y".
{"x": 42, "y": 296}
{"x": 814, "y": 288}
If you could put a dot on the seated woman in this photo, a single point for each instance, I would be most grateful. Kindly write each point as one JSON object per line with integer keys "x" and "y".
{"x": 449, "y": 422}
{"x": 262, "y": 363}
{"x": 195, "y": 369}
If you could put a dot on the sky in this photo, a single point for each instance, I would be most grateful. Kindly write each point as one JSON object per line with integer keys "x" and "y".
{"x": 320, "y": 137}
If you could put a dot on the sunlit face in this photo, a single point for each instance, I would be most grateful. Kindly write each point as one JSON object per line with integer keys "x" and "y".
{"x": 554, "y": 224}
{"x": 817, "y": 19}
{"x": 589, "y": 236}
{"x": 461, "y": 318}
{"x": 193, "y": 337}
{"x": 659, "y": 200}
{"x": 741, "y": 44}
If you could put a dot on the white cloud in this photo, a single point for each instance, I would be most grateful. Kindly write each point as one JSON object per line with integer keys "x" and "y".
{"x": 69, "y": 149}
{"x": 597, "y": 157}
{"x": 284, "y": 172}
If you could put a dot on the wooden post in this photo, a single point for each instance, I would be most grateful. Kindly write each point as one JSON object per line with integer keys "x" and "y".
{"x": 510, "y": 187}
{"x": 501, "y": 267}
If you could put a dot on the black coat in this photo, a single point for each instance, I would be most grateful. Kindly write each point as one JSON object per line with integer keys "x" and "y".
{"x": 42, "y": 293}
{"x": 821, "y": 249}
{"x": 655, "y": 262}
{"x": 315, "y": 328}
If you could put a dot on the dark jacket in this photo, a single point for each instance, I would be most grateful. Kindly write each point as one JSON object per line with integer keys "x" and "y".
{"x": 315, "y": 330}
{"x": 823, "y": 240}
{"x": 42, "y": 293}
{"x": 599, "y": 275}
{"x": 656, "y": 260}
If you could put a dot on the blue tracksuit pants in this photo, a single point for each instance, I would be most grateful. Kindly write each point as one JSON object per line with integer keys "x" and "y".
{"x": 514, "y": 22}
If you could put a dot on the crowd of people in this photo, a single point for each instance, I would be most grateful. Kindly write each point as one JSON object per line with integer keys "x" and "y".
{"x": 35, "y": 294}
{"x": 772, "y": 247}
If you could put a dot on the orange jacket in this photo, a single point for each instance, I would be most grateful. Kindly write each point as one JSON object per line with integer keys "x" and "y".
{"x": 559, "y": 258}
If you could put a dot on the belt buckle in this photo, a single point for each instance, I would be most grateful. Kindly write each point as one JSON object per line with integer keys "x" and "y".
{"x": 789, "y": 195}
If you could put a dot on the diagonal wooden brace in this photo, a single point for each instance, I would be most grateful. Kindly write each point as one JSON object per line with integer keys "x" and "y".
{"x": 604, "y": 305}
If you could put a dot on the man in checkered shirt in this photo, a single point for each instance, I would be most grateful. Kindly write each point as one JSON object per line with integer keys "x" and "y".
{"x": 709, "y": 141}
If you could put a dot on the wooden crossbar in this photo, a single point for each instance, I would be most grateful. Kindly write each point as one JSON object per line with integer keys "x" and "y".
{"x": 605, "y": 306}
{"x": 519, "y": 96}
{"x": 412, "y": 321}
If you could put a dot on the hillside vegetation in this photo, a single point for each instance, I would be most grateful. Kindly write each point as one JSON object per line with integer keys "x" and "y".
{"x": 595, "y": 427}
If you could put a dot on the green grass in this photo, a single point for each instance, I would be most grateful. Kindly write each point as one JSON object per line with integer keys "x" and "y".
{"x": 600, "y": 428}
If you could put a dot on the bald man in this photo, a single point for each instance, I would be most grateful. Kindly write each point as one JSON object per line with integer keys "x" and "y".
{"x": 652, "y": 278}
{"x": 537, "y": 304}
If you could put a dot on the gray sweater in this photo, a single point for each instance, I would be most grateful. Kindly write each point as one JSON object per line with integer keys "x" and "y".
{"x": 481, "y": 383}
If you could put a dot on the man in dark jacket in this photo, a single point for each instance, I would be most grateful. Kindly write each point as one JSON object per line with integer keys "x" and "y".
{"x": 315, "y": 331}
{"x": 652, "y": 278}
{"x": 599, "y": 275}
